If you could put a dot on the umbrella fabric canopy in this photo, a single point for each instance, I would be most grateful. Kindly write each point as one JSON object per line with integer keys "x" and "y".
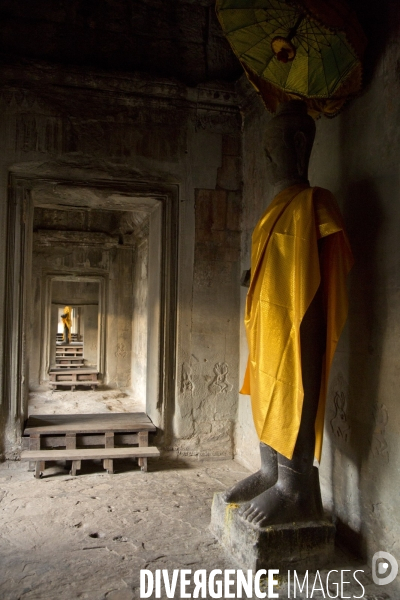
{"x": 309, "y": 49}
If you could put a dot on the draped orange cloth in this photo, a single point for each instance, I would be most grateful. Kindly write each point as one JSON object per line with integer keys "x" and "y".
{"x": 67, "y": 322}
{"x": 286, "y": 271}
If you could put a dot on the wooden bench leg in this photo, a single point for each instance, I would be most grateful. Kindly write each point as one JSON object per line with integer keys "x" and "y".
{"x": 108, "y": 465}
{"x": 76, "y": 466}
{"x": 70, "y": 444}
{"x": 109, "y": 443}
{"x": 70, "y": 441}
{"x": 34, "y": 441}
{"x": 109, "y": 439}
{"x": 40, "y": 467}
{"x": 34, "y": 444}
{"x": 143, "y": 442}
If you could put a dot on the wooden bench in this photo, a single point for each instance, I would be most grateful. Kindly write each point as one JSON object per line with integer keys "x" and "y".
{"x": 69, "y": 363}
{"x": 74, "y": 337}
{"x": 107, "y": 455}
{"x": 74, "y": 350}
{"x": 69, "y": 353}
{"x": 88, "y": 429}
{"x": 73, "y": 377}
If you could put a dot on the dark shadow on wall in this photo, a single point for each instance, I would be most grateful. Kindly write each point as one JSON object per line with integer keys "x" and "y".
{"x": 364, "y": 217}
{"x": 357, "y": 416}
{"x": 380, "y": 22}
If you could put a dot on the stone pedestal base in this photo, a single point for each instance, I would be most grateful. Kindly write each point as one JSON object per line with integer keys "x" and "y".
{"x": 299, "y": 546}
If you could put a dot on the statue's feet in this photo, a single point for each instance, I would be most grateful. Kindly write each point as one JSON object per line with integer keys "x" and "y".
{"x": 251, "y": 487}
{"x": 280, "y": 504}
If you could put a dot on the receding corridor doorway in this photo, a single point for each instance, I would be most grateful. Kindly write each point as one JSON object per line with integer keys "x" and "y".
{"x": 110, "y": 255}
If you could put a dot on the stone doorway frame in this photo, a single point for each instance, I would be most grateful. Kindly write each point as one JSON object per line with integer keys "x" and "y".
{"x": 18, "y": 269}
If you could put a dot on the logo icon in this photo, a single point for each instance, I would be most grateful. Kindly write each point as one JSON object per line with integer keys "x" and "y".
{"x": 384, "y": 568}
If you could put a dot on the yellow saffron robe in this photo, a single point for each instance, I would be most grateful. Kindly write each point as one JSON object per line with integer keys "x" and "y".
{"x": 286, "y": 271}
{"x": 67, "y": 322}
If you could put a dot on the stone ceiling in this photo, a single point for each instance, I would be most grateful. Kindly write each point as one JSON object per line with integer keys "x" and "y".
{"x": 178, "y": 39}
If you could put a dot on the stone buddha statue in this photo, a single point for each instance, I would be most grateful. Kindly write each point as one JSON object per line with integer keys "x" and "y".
{"x": 295, "y": 310}
{"x": 67, "y": 324}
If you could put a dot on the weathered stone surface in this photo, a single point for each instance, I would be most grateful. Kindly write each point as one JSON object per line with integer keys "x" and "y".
{"x": 49, "y": 402}
{"x": 53, "y": 238}
{"x": 217, "y": 231}
{"x": 298, "y": 546}
{"x": 88, "y": 536}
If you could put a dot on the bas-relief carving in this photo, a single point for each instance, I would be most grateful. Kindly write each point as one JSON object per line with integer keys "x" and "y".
{"x": 39, "y": 129}
{"x": 379, "y": 445}
{"x": 48, "y": 134}
{"x": 220, "y": 383}
{"x": 341, "y": 428}
{"x": 38, "y": 133}
{"x": 339, "y": 423}
{"x": 187, "y": 384}
{"x": 218, "y": 122}
{"x": 120, "y": 351}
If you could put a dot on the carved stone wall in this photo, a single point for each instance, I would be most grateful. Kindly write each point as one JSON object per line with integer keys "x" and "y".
{"x": 209, "y": 376}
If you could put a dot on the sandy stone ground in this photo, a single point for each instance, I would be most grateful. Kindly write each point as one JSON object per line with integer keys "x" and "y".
{"x": 51, "y": 402}
{"x": 87, "y": 537}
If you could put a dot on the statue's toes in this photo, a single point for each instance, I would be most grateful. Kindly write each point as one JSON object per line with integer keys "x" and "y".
{"x": 245, "y": 510}
{"x": 254, "y": 515}
{"x": 260, "y": 519}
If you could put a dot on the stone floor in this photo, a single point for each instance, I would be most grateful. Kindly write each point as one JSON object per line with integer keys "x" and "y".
{"x": 51, "y": 402}
{"x": 87, "y": 537}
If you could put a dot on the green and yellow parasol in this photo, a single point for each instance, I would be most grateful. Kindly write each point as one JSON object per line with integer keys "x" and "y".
{"x": 308, "y": 49}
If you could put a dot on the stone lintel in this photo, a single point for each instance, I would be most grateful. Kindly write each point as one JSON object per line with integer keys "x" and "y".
{"x": 49, "y": 237}
{"x": 294, "y": 546}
